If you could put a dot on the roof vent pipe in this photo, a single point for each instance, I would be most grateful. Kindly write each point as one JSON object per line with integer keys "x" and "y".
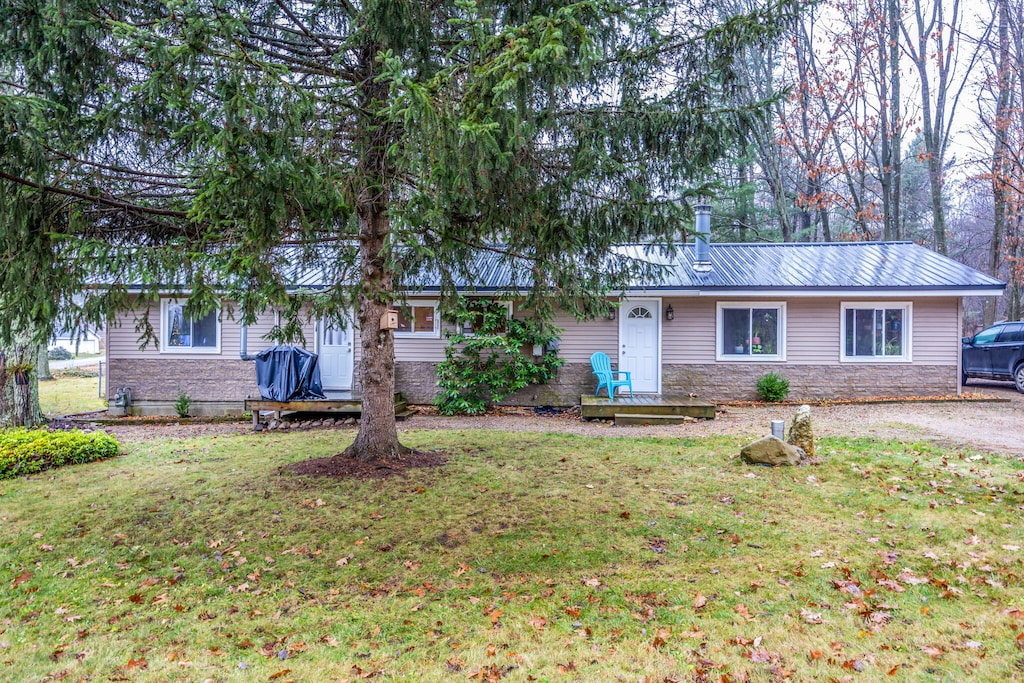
{"x": 702, "y": 257}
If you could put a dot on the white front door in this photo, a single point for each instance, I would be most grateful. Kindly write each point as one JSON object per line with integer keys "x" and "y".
{"x": 335, "y": 356}
{"x": 640, "y": 344}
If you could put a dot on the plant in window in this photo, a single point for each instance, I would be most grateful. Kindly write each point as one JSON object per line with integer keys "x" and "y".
{"x": 493, "y": 361}
{"x": 773, "y": 387}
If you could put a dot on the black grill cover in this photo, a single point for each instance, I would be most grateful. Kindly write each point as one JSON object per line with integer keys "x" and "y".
{"x": 288, "y": 373}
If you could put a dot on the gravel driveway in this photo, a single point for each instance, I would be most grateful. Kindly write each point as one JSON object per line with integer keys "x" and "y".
{"x": 994, "y": 427}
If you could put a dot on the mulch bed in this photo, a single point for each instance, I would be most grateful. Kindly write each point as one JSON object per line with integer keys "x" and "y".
{"x": 340, "y": 467}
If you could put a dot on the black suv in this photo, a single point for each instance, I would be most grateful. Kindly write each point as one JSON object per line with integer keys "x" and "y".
{"x": 995, "y": 353}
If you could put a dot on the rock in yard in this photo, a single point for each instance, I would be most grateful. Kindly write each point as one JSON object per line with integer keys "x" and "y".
{"x": 350, "y": 420}
{"x": 771, "y": 451}
{"x": 801, "y": 434}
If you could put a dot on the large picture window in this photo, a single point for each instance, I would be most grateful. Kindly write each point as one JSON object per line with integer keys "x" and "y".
{"x": 418, "y": 319}
{"x": 876, "y": 332}
{"x": 181, "y": 333}
{"x": 754, "y": 331}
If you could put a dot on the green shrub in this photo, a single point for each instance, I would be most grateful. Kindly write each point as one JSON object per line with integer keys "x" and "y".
{"x": 24, "y": 451}
{"x": 773, "y": 387}
{"x": 59, "y": 353}
{"x": 490, "y": 357}
{"x": 182, "y": 404}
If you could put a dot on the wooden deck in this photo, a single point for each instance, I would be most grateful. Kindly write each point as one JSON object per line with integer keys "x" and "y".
{"x": 646, "y": 409}
{"x": 351, "y": 406}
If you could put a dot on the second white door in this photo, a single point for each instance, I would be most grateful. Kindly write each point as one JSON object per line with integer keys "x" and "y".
{"x": 336, "y": 352}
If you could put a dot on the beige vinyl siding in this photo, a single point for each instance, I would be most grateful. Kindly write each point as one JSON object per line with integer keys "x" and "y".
{"x": 123, "y": 340}
{"x": 936, "y": 331}
{"x": 580, "y": 340}
{"x": 812, "y": 331}
{"x": 690, "y": 337}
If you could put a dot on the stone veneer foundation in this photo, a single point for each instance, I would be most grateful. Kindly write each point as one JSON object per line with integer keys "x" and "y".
{"x": 221, "y": 382}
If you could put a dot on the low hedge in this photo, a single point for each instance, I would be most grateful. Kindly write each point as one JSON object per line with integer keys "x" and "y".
{"x": 24, "y": 451}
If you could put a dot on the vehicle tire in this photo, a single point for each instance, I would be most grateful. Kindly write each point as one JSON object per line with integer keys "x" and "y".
{"x": 1018, "y": 377}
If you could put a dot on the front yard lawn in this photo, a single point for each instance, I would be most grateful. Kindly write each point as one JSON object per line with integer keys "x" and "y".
{"x": 70, "y": 393}
{"x": 527, "y": 557}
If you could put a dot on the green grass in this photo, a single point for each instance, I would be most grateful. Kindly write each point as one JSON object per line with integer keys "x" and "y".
{"x": 70, "y": 393}
{"x": 529, "y": 556}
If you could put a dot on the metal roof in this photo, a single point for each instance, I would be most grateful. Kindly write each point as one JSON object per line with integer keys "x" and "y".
{"x": 796, "y": 267}
{"x": 802, "y": 269}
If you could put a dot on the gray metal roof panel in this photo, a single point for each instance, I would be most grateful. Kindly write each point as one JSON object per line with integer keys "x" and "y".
{"x": 860, "y": 266}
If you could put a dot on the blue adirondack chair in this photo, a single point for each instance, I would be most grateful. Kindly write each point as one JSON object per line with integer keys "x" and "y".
{"x": 606, "y": 377}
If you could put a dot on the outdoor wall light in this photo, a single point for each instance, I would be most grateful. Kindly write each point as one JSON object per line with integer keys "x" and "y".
{"x": 669, "y": 313}
{"x": 611, "y": 313}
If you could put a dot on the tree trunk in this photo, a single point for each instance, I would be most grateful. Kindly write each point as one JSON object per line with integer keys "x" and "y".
{"x": 377, "y": 440}
{"x": 43, "y": 365}
{"x": 1000, "y": 157}
{"x": 19, "y": 387}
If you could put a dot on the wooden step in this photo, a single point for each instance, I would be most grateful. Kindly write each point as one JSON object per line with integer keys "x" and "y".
{"x": 678, "y": 406}
{"x": 641, "y": 419}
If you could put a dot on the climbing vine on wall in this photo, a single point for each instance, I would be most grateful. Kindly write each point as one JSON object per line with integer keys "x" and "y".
{"x": 490, "y": 356}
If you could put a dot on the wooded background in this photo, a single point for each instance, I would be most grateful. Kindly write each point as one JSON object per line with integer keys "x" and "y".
{"x": 902, "y": 120}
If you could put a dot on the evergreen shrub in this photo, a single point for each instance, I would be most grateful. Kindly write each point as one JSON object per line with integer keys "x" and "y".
{"x": 25, "y": 451}
{"x": 773, "y": 387}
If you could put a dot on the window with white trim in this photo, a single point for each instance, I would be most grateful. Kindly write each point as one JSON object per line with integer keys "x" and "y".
{"x": 184, "y": 334}
{"x": 418, "y": 319}
{"x": 873, "y": 332}
{"x": 751, "y": 331}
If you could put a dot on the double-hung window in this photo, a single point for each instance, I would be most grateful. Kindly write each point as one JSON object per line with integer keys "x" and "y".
{"x": 873, "y": 332}
{"x": 751, "y": 331}
{"x": 418, "y": 319}
{"x": 181, "y": 333}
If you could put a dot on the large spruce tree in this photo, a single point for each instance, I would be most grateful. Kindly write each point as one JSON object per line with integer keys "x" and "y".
{"x": 221, "y": 146}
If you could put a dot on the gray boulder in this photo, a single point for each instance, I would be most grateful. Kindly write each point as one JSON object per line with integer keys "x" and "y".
{"x": 771, "y": 451}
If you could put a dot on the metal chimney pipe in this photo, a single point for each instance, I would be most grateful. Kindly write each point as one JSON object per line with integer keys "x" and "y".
{"x": 702, "y": 258}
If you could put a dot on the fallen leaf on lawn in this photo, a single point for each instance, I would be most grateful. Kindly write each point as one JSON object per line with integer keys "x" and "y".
{"x": 592, "y": 582}
{"x": 932, "y": 650}
{"x": 539, "y": 623}
{"x": 741, "y": 610}
{"x": 278, "y": 674}
{"x": 573, "y": 611}
{"x": 810, "y": 617}
{"x": 661, "y": 637}
{"x": 566, "y": 668}
{"x": 139, "y": 663}
{"x": 21, "y": 578}
{"x": 763, "y": 656}
{"x": 1012, "y": 548}
{"x": 699, "y": 601}
{"x": 1020, "y": 641}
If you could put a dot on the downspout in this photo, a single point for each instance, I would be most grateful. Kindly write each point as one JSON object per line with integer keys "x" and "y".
{"x": 243, "y": 345}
